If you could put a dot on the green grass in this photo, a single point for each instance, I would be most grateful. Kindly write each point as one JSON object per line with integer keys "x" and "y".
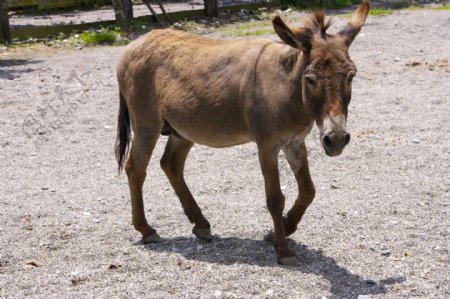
{"x": 380, "y": 11}
{"x": 374, "y": 11}
{"x": 102, "y": 36}
{"x": 247, "y": 29}
{"x": 444, "y": 7}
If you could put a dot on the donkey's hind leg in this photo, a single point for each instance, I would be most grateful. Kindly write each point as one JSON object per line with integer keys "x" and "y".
{"x": 172, "y": 163}
{"x": 141, "y": 150}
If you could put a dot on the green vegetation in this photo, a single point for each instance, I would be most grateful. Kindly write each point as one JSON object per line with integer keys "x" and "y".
{"x": 247, "y": 29}
{"x": 374, "y": 11}
{"x": 379, "y": 11}
{"x": 443, "y": 7}
{"x": 103, "y": 36}
{"x": 412, "y": 7}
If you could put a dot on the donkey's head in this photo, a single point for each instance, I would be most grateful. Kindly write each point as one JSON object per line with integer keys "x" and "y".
{"x": 327, "y": 73}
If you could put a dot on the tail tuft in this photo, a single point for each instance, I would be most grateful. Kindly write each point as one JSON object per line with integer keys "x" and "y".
{"x": 123, "y": 133}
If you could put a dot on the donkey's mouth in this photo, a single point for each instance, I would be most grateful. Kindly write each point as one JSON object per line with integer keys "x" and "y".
{"x": 333, "y": 153}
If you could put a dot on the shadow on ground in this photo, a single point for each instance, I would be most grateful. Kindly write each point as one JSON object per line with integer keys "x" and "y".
{"x": 228, "y": 251}
{"x": 8, "y": 72}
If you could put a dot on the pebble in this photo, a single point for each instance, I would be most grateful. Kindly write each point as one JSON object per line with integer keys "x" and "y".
{"x": 385, "y": 252}
{"x": 217, "y": 294}
{"x": 397, "y": 59}
{"x": 415, "y": 140}
{"x": 363, "y": 297}
{"x": 370, "y": 281}
{"x": 269, "y": 292}
{"x": 96, "y": 220}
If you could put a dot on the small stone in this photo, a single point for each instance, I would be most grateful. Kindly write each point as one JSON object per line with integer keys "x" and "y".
{"x": 107, "y": 127}
{"x": 96, "y": 220}
{"x": 199, "y": 247}
{"x": 269, "y": 293}
{"x": 32, "y": 263}
{"x": 397, "y": 59}
{"x": 217, "y": 294}
{"x": 363, "y": 297}
{"x": 415, "y": 140}
{"x": 370, "y": 281}
{"x": 385, "y": 252}
{"x": 44, "y": 188}
{"x": 283, "y": 187}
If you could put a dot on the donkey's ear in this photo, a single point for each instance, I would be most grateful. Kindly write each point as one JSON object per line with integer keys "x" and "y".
{"x": 353, "y": 27}
{"x": 299, "y": 38}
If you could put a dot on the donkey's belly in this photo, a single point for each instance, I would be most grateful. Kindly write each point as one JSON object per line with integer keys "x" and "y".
{"x": 214, "y": 133}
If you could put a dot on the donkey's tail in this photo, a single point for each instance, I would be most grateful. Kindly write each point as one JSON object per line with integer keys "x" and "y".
{"x": 123, "y": 133}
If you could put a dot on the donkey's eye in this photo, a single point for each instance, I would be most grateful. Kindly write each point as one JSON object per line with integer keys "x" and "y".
{"x": 310, "y": 80}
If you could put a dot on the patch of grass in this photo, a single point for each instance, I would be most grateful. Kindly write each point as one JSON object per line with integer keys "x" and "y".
{"x": 256, "y": 32}
{"x": 379, "y": 11}
{"x": 443, "y": 7}
{"x": 374, "y": 11}
{"x": 247, "y": 29}
{"x": 412, "y": 7}
{"x": 252, "y": 25}
{"x": 102, "y": 36}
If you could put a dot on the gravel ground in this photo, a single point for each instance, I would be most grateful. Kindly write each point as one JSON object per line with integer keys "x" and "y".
{"x": 379, "y": 225}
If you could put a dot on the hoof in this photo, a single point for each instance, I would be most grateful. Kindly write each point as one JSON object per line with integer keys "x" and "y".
{"x": 203, "y": 233}
{"x": 290, "y": 261}
{"x": 153, "y": 238}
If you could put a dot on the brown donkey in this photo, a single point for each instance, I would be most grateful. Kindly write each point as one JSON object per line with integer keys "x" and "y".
{"x": 223, "y": 93}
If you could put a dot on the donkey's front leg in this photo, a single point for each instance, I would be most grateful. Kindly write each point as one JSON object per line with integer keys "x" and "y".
{"x": 268, "y": 158}
{"x": 297, "y": 157}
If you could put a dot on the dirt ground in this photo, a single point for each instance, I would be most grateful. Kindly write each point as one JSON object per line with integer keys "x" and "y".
{"x": 379, "y": 225}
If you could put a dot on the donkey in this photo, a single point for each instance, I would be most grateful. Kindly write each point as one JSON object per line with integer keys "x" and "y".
{"x": 222, "y": 93}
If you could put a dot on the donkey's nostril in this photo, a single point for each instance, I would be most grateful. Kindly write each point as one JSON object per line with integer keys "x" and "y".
{"x": 327, "y": 141}
{"x": 347, "y": 138}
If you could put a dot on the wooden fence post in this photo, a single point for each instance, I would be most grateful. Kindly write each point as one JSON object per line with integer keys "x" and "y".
{"x": 211, "y": 8}
{"x": 123, "y": 10}
{"x": 5, "y": 34}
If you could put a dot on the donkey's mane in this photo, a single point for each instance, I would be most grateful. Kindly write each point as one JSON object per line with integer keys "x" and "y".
{"x": 316, "y": 23}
